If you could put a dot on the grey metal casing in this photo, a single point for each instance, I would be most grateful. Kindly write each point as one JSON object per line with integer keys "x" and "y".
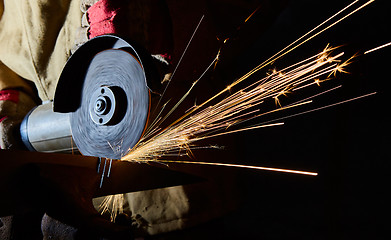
{"x": 44, "y": 130}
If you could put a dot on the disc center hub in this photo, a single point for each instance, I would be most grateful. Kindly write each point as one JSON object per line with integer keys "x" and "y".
{"x": 107, "y": 105}
{"x": 102, "y": 105}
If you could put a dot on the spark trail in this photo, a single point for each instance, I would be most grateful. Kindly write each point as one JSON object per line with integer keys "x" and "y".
{"x": 377, "y": 48}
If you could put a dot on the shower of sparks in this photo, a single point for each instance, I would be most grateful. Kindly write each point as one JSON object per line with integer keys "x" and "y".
{"x": 377, "y": 48}
{"x": 113, "y": 205}
{"x": 214, "y": 117}
{"x": 203, "y": 121}
{"x": 242, "y": 105}
{"x": 295, "y": 44}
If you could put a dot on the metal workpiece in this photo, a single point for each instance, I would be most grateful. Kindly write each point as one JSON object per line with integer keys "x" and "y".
{"x": 42, "y": 174}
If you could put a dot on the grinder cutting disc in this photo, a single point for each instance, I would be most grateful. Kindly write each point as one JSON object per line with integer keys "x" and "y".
{"x": 114, "y": 105}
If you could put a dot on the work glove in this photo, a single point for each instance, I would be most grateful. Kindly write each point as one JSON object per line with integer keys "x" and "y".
{"x": 14, "y": 105}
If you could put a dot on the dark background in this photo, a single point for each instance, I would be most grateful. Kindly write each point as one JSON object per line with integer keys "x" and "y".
{"x": 346, "y": 144}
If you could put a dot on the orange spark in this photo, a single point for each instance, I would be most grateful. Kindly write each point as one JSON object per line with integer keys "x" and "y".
{"x": 377, "y": 48}
{"x": 256, "y": 10}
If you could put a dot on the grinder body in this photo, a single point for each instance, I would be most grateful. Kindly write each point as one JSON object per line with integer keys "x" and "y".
{"x": 44, "y": 130}
{"x": 101, "y": 105}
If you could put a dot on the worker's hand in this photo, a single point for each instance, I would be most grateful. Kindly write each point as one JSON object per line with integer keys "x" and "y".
{"x": 14, "y": 105}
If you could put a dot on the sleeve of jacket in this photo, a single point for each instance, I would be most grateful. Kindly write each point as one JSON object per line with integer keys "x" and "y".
{"x": 36, "y": 39}
{"x": 8, "y": 78}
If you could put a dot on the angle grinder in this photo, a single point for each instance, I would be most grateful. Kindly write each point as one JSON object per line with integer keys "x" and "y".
{"x": 101, "y": 105}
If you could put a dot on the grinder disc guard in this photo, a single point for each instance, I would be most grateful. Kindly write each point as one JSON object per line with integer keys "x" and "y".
{"x": 114, "y": 105}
